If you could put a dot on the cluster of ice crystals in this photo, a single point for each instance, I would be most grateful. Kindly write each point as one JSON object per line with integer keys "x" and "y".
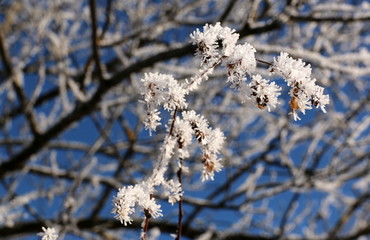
{"x": 214, "y": 43}
{"x": 128, "y": 197}
{"x": 263, "y": 93}
{"x": 48, "y": 234}
{"x": 124, "y": 204}
{"x": 183, "y": 133}
{"x": 304, "y": 92}
{"x": 241, "y": 62}
{"x": 173, "y": 189}
{"x": 217, "y": 44}
{"x": 160, "y": 90}
{"x": 211, "y": 141}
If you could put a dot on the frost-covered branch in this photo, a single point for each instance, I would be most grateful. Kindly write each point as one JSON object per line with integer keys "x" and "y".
{"x": 216, "y": 46}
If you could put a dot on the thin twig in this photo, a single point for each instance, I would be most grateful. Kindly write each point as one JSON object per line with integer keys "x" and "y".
{"x": 94, "y": 38}
{"x": 173, "y": 121}
{"x": 4, "y": 56}
{"x": 264, "y": 62}
{"x": 169, "y": 134}
{"x": 108, "y": 10}
{"x": 181, "y": 213}
{"x": 146, "y": 226}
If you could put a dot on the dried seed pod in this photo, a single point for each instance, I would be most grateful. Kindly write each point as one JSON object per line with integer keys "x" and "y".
{"x": 209, "y": 165}
{"x": 200, "y": 136}
{"x": 294, "y": 103}
{"x": 203, "y": 47}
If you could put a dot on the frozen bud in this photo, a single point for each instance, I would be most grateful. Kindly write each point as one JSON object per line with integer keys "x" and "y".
{"x": 198, "y": 124}
{"x": 319, "y": 99}
{"x": 208, "y": 165}
{"x": 263, "y": 93}
{"x": 211, "y": 164}
{"x": 294, "y": 103}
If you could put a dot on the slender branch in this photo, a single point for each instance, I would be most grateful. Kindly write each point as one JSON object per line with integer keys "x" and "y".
{"x": 271, "y": 26}
{"x": 173, "y": 121}
{"x": 146, "y": 212}
{"x": 146, "y": 224}
{"x": 181, "y": 213}
{"x": 264, "y": 62}
{"x": 108, "y": 10}
{"x": 94, "y": 38}
{"x": 48, "y": 172}
{"x": 4, "y": 56}
{"x": 342, "y": 19}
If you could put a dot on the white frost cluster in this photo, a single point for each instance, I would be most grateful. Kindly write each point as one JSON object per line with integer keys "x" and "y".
{"x": 48, "y": 234}
{"x": 127, "y": 198}
{"x": 214, "y": 43}
{"x": 211, "y": 141}
{"x": 241, "y": 62}
{"x": 214, "y": 47}
{"x": 160, "y": 90}
{"x": 142, "y": 195}
{"x": 172, "y": 189}
{"x": 263, "y": 93}
{"x": 304, "y": 92}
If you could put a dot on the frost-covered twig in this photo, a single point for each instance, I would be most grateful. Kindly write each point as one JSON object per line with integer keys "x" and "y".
{"x": 216, "y": 47}
{"x": 181, "y": 213}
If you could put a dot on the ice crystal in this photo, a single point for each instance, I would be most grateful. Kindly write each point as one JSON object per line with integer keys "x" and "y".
{"x": 48, "y": 234}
